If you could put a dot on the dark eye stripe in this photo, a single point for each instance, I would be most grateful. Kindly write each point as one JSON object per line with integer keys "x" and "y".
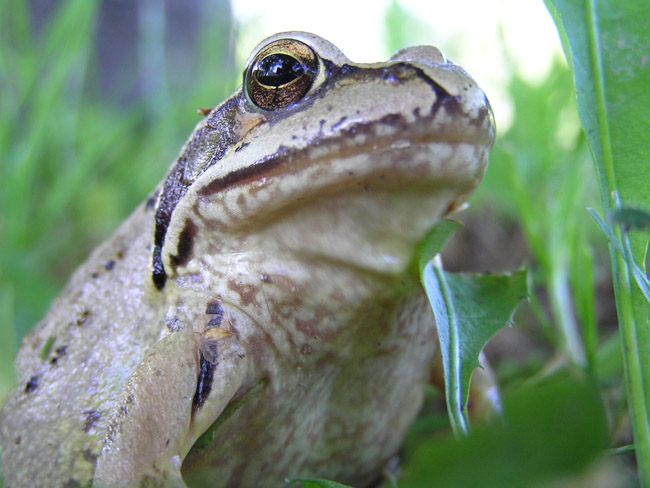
{"x": 203, "y": 384}
{"x": 177, "y": 182}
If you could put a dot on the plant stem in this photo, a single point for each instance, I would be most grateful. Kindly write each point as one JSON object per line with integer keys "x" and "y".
{"x": 632, "y": 313}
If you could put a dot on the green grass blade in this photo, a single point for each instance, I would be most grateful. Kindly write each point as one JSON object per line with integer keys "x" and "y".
{"x": 8, "y": 339}
{"x": 606, "y": 44}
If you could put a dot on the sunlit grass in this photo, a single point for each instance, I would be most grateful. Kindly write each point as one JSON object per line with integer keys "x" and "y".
{"x": 76, "y": 162}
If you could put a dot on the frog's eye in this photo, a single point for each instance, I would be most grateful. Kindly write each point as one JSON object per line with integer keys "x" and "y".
{"x": 281, "y": 74}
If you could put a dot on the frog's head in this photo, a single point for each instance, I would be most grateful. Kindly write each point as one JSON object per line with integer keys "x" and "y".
{"x": 325, "y": 158}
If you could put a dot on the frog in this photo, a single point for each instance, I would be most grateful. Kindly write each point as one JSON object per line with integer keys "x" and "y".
{"x": 259, "y": 316}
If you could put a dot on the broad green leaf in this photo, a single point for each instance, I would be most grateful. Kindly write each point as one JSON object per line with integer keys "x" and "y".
{"x": 469, "y": 310}
{"x": 606, "y": 44}
{"x": 553, "y": 429}
{"x": 317, "y": 483}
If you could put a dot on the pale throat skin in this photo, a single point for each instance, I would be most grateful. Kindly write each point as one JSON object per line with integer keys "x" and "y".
{"x": 267, "y": 290}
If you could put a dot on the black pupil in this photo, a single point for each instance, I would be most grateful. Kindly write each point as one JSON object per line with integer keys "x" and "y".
{"x": 278, "y": 69}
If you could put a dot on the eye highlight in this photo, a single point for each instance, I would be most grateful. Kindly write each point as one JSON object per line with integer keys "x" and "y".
{"x": 281, "y": 74}
{"x": 278, "y": 69}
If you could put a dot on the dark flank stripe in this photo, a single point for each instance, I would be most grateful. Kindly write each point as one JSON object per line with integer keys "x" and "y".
{"x": 204, "y": 383}
{"x": 214, "y": 309}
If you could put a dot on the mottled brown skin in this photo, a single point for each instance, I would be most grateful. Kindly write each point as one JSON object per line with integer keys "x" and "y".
{"x": 266, "y": 310}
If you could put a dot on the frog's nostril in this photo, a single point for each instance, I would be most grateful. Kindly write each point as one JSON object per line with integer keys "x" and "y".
{"x": 422, "y": 54}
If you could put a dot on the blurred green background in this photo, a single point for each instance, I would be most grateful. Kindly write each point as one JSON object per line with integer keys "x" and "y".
{"x": 97, "y": 98}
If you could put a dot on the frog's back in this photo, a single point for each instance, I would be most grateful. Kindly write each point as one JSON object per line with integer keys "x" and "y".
{"x": 53, "y": 425}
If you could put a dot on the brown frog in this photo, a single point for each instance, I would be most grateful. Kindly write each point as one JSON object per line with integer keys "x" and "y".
{"x": 260, "y": 317}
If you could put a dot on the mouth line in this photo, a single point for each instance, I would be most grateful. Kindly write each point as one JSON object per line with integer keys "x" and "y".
{"x": 289, "y": 160}
{"x": 381, "y": 179}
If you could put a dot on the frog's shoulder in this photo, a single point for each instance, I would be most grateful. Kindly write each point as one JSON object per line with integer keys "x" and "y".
{"x": 79, "y": 357}
{"x": 95, "y": 294}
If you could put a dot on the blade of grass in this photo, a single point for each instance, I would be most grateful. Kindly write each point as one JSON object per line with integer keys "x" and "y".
{"x": 67, "y": 35}
{"x": 583, "y": 287}
{"x": 606, "y": 46}
{"x": 7, "y": 339}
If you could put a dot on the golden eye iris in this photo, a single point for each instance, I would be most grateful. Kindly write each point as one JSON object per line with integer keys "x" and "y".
{"x": 281, "y": 74}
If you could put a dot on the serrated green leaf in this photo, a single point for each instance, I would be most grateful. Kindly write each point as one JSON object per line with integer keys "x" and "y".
{"x": 317, "y": 483}
{"x": 486, "y": 303}
{"x": 469, "y": 310}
